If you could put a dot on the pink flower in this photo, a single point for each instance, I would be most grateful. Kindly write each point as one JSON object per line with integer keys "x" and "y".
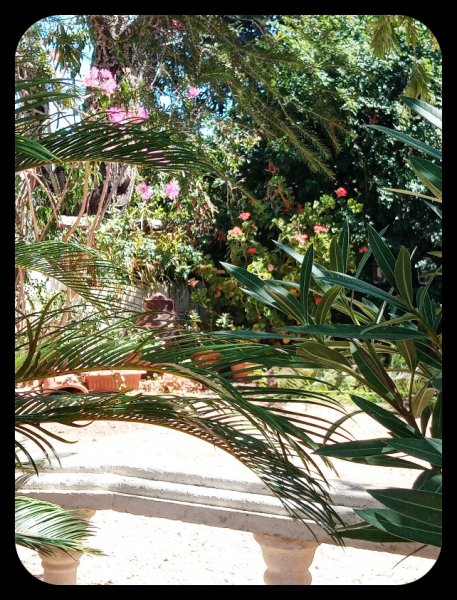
{"x": 101, "y": 79}
{"x": 341, "y": 192}
{"x": 105, "y": 74}
{"x": 136, "y": 115}
{"x": 193, "y": 92}
{"x": 172, "y": 190}
{"x": 244, "y": 216}
{"x": 302, "y": 238}
{"x": 117, "y": 114}
{"x": 363, "y": 249}
{"x": 317, "y": 300}
{"x": 177, "y": 24}
{"x": 109, "y": 86}
{"x": 144, "y": 190}
{"x": 236, "y": 231}
{"x": 252, "y": 251}
{"x": 320, "y": 229}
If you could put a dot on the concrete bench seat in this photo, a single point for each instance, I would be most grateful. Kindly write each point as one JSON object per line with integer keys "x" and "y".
{"x": 237, "y": 501}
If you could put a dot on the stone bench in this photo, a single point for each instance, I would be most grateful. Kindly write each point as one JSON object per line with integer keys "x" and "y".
{"x": 199, "y": 496}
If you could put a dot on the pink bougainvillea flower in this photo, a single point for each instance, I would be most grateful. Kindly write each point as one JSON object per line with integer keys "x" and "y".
{"x": 193, "y": 92}
{"x": 117, "y": 114}
{"x": 252, "y": 251}
{"x": 236, "y": 231}
{"x": 302, "y": 238}
{"x": 320, "y": 229}
{"x": 108, "y": 86}
{"x": 177, "y": 24}
{"x": 101, "y": 79}
{"x": 105, "y": 74}
{"x": 317, "y": 300}
{"x": 172, "y": 190}
{"x": 363, "y": 249}
{"x": 144, "y": 190}
{"x": 244, "y": 216}
{"x": 138, "y": 114}
{"x": 341, "y": 192}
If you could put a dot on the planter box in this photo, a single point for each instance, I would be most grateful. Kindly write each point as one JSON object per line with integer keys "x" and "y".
{"x": 111, "y": 381}
{"x": 206, "y": 358}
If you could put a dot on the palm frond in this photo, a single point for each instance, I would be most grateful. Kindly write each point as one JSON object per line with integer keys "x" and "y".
{"x": 95, "y": 141}
{"x": 43, "y": 527}
{"x": 263, "y": 441}
{"x": 83, "y": 270}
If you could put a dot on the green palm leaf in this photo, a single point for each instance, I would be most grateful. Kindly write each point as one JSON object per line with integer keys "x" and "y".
{"x": 131, "y": 144}
{"x": 43, "y": 527}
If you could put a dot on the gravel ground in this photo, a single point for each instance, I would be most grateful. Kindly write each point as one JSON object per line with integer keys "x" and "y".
{"x": 149, "y": 551}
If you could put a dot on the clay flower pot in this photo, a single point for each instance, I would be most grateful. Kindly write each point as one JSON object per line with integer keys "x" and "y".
{"x": 112, "y": 381}
{"x": 242, "y": 370}
{"x": 206, "y": 358}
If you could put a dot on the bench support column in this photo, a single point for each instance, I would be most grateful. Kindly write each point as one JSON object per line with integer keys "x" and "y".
{"x": 287, "y": 559}
{"x": 60, "y": 568}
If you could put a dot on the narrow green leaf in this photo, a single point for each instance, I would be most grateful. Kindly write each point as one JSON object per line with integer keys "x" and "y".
{"x": 392, "y": 423}
{"x": 251, "y": 282}
{"x": 422, "y": 505}
{"x": 358, "y": 332}
{"x": 403, "y": 276}
{"x": 360, "y": 286}
{"x": 428, "y": 449}
{"x": 437, "y": 418}
{"x": 326, "y": 303}
{"x": 293, "y": 253}
{"x": 422, "y": 399}
{"x": 343, "y": 241}
{"x": 396, "y": 524}
{"x": 373, "y": 372}
{"x": 356, "y": 449}
{"x": 429, "y": 112}
{"x": 408, "y": 350}
{"x": 324, "y": 355}
{"x": 305, "y": 278}
{"x": 429, "y": 481}
{"x": 429, "y": 173}
{"x": 287, "y": 303}
{"x": 407, "y": 139}
{"x": 336, "y": 256}
{"x": 368, "y": 533}
{"x": 383, "y": 255}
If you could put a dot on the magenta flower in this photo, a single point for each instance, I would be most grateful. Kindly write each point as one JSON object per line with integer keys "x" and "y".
{"x": 302, "y": 238}
{"x": 244, "y": 216}
{"x": 101, "y": 79}
{"x": 320, "y": 229}
{"x": 172, "y": 190}
{"x": 193, "y": 92}
{"x": 177, "y": 24}
{"x": 144, "y": 190}
{"x": 236, "y": 231}
{"x": 117, "y": 114}
{"x": 252, "y": 251}
{"x": 136, "y": 115}
{"x": 108, "y": 86}
{"x": 363, "y": 249}
{"x": 341, "y": 192}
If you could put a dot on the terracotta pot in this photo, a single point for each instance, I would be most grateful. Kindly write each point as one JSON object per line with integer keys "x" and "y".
{"x": 206, "y": 358}
{"x": 242, "y": 367}
{"x": 111, "y": 381}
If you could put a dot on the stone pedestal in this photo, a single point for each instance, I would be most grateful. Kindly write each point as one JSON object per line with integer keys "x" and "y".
{"x": 60, "y": 568}
{"x": 287, "y": 559}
